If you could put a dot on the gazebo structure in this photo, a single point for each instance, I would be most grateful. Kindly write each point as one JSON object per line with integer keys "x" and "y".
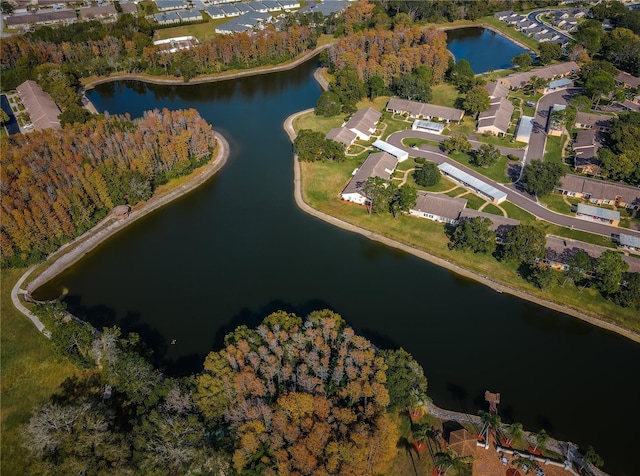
{"x": 462, "y": 442}
{"x": 121, "y": 212}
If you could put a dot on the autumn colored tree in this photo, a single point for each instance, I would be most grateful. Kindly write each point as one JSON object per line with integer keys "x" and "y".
{"x": 58, "y": 183}
{"x": 308, "y": 396}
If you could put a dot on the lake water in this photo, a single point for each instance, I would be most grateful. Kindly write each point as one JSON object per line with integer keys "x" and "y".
{"x": 238, "y": 248}
{"x": 483, "y": 48}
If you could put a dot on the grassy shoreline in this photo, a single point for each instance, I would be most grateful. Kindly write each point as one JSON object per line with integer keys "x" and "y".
{"x": 321, "y": 183}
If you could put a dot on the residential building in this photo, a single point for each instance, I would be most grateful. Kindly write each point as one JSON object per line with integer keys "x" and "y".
{"x": 586, "y": 120}
{"x": 364, "y": 122}
{"x": 378, "y": 164}
{"x": 41, "y": 18}
{"x": 560, "y": 70}
{"x": 627, "y": 81}
{"x": 42, "y": 110}
{"x": 424, "y": 111}
{"x": 342, "y": 135}
{"x": 599, "y": 192}
{"x": 496, "y": 120}
{"x": 438, "y": 207}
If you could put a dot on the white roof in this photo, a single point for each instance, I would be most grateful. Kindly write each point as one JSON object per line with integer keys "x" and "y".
{"x": 398, "y": 153}
{"x": 598, "y": 212}
{"x": 525, "y": 127}
{"x": 473, "y": 182}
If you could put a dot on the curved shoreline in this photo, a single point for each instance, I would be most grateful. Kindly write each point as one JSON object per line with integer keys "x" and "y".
{"x": 62, "y": 258}
{"x": 209, "y": 78}
{"x": 486, "y": 280}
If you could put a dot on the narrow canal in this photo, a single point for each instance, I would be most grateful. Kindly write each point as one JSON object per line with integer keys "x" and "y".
{"x": 238, "y": 248}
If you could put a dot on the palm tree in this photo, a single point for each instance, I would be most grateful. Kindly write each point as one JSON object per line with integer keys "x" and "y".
{"x": 420, "y": 433}
{"x": 415, "y": 404}
{"x": 446, "y": 460}
{"x": 541, "y": 441}
{"x": 591, "y": 457}
{"x": 514, "y": 432}
{"x": 523, "y": 463}
{"x": 489, "y": 421}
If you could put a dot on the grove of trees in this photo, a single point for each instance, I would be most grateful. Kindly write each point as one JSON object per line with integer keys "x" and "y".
{"x": 308, "y": 397}
{"x": 56, "y": 184}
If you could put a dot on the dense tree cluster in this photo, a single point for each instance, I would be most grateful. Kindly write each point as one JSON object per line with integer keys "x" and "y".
{"x": 56, "y": 184}
{"x": 303, "y": 397}
{"x": 312, "y": 146}
{"x": 427, "y": 175}
{"x": 91, "y": 48}
{"x": 541, "y": 178}
{"x": 123, "y": 416}
{"x": 474, "y": 234}
{"x": 621, "y": 160}
{"x": 620, "y": 46}
{"x": 387, "y": 54}
{"x": 451, "y": 10}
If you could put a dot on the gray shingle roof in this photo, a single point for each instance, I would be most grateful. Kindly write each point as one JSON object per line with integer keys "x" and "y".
{"x": 41, "y": 108}
{"x": 440, "y": 205}
{"x": 378, "y": 164}
{"x": 423, "y": 109}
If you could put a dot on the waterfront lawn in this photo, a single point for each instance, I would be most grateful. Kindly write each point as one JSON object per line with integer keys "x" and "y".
{"x": 318, "y": 123}
{"x": 322, "y": 182}
{"x": 30, "y": 371}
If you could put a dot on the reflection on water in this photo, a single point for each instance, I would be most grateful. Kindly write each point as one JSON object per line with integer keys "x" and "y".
{"x": 238, "y": 248}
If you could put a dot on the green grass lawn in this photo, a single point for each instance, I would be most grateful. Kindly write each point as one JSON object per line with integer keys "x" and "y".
{"x": 444, "y": 94}
{"x": 496, "y": 172}
{"x": 202, "y": 31}
{"x": 318, "y": 123}
{"x": 553, "y": 151}
{"x": 555, "y": 202}
{"x": 517, "y": 213}
{"x": 322, "y": 183}
{"x": 494, "y": 210}
{"x": 456, "y": 191}
{"x": 30, "y": 373}
{"x": 474, "y": 201}
{"x": 418, "y": 142}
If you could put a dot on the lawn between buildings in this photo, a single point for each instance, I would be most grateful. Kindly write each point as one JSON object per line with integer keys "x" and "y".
{"x": 322, "y": 183}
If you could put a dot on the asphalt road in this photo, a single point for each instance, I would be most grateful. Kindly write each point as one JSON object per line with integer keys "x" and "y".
{"x": 533, "y": 16}
{"x": 523, "y": 200}
{"x": 538, "y": 139}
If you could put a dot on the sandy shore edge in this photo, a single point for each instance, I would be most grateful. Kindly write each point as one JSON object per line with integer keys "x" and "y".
{"x": 486, "y": 280}
{"x": 64, "y": 257}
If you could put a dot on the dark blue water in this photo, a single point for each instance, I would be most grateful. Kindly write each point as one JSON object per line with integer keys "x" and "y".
{"x": 12, "y": 124}
{"x": 484, "y": 49}
{"x": 238, "y": 248}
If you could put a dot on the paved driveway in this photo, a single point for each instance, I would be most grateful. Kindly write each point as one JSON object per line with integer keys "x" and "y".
{"x": 538, "y": 139}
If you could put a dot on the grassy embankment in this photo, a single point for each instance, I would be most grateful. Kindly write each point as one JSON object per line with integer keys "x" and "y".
{"x": 322, "y": 183}
{"x": 30, "y": 371}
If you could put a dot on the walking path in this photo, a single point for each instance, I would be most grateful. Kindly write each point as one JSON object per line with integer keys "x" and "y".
{"x": 69, "y": 254}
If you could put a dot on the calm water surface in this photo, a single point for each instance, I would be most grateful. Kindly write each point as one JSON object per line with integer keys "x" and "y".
{"x": 483, "y": 48}
{"x": 238, "y": 248}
